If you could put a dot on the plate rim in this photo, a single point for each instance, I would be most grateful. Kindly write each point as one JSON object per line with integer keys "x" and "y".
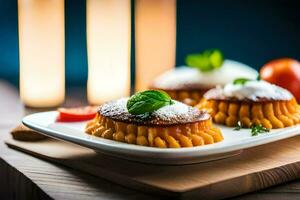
{"x": 201, "y": 151}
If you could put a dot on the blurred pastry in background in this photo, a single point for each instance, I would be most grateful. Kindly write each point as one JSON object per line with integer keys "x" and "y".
{"x": 202, "y": 72}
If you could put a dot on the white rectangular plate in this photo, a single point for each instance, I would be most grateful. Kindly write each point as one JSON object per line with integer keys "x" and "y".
{"x": 233, "y": 143}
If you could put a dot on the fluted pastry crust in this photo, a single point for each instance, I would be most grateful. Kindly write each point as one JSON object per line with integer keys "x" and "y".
{"x": 268, "y": 113}
{"x": 184, "y": 135}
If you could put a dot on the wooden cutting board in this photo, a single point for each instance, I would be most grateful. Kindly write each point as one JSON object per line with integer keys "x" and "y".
{"x": 254, "y": 169}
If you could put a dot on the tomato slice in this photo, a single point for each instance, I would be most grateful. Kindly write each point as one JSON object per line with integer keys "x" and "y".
{"x": 76, "y": 114}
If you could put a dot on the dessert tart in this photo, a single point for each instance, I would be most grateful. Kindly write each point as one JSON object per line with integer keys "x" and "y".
{"x": 251, "y": 102}
{"x": 172, "y": 126}
{"x": 188, "y": 84}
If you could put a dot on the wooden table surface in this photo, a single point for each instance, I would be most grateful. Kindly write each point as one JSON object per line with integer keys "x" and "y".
{"x": 25, "y": 177}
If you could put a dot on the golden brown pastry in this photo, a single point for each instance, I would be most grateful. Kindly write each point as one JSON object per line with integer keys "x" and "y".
{"x": 23, "y": 133}
{"x": 172, "y": 126}
{"x": 252, "y": 103}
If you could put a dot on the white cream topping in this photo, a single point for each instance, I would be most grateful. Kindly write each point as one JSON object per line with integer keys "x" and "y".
{"x": 173, "y": 111}
{"x": 254, "y": 90}
{"x": 183, "y": 75}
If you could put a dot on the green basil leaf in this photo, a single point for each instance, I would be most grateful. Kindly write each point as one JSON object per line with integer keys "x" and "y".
{"x": 216, "y": 58}
{"x": 148, "y": 101}
{"x": 240, "y": 81}
{"x": 206, "y": 61}
{"x": 257, "y": 129}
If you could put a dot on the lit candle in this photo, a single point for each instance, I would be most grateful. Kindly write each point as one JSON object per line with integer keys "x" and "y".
{"x": 42, "y": 52}
{"x": 108, "y": 45}
{"x": 155, "y": 39}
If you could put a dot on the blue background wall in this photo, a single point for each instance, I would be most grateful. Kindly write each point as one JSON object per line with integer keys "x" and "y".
{"x": 251, "y": 31}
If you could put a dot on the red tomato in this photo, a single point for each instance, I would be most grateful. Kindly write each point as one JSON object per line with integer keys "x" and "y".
{"x": 76, "y": 114}
{"x": 284, "y": 72}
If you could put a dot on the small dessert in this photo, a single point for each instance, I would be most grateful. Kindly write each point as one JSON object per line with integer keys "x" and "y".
{"x": 251, "y": 102}
{"x": 151, "y": 118}
{"x": 24, "y": 133}
{"x": 188, "y": 83}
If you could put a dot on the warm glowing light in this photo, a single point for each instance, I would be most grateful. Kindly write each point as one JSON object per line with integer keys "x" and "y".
{"x": 108, "y": 43}
{"x": 42, "y": 52}
{"x": 155, "y": 39}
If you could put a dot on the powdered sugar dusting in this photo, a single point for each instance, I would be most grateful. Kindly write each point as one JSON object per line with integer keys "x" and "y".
{"x": 175, "y": 110}
{"x": 117, "y": 107}
{"x": 251, "y": 90}
{"x": 177, "y": 113}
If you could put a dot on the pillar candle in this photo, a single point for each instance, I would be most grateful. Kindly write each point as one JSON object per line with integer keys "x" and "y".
{"x": 108, "y": 45}
{"x": 42, "y": 52}
{"x": 155, "y": 39}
